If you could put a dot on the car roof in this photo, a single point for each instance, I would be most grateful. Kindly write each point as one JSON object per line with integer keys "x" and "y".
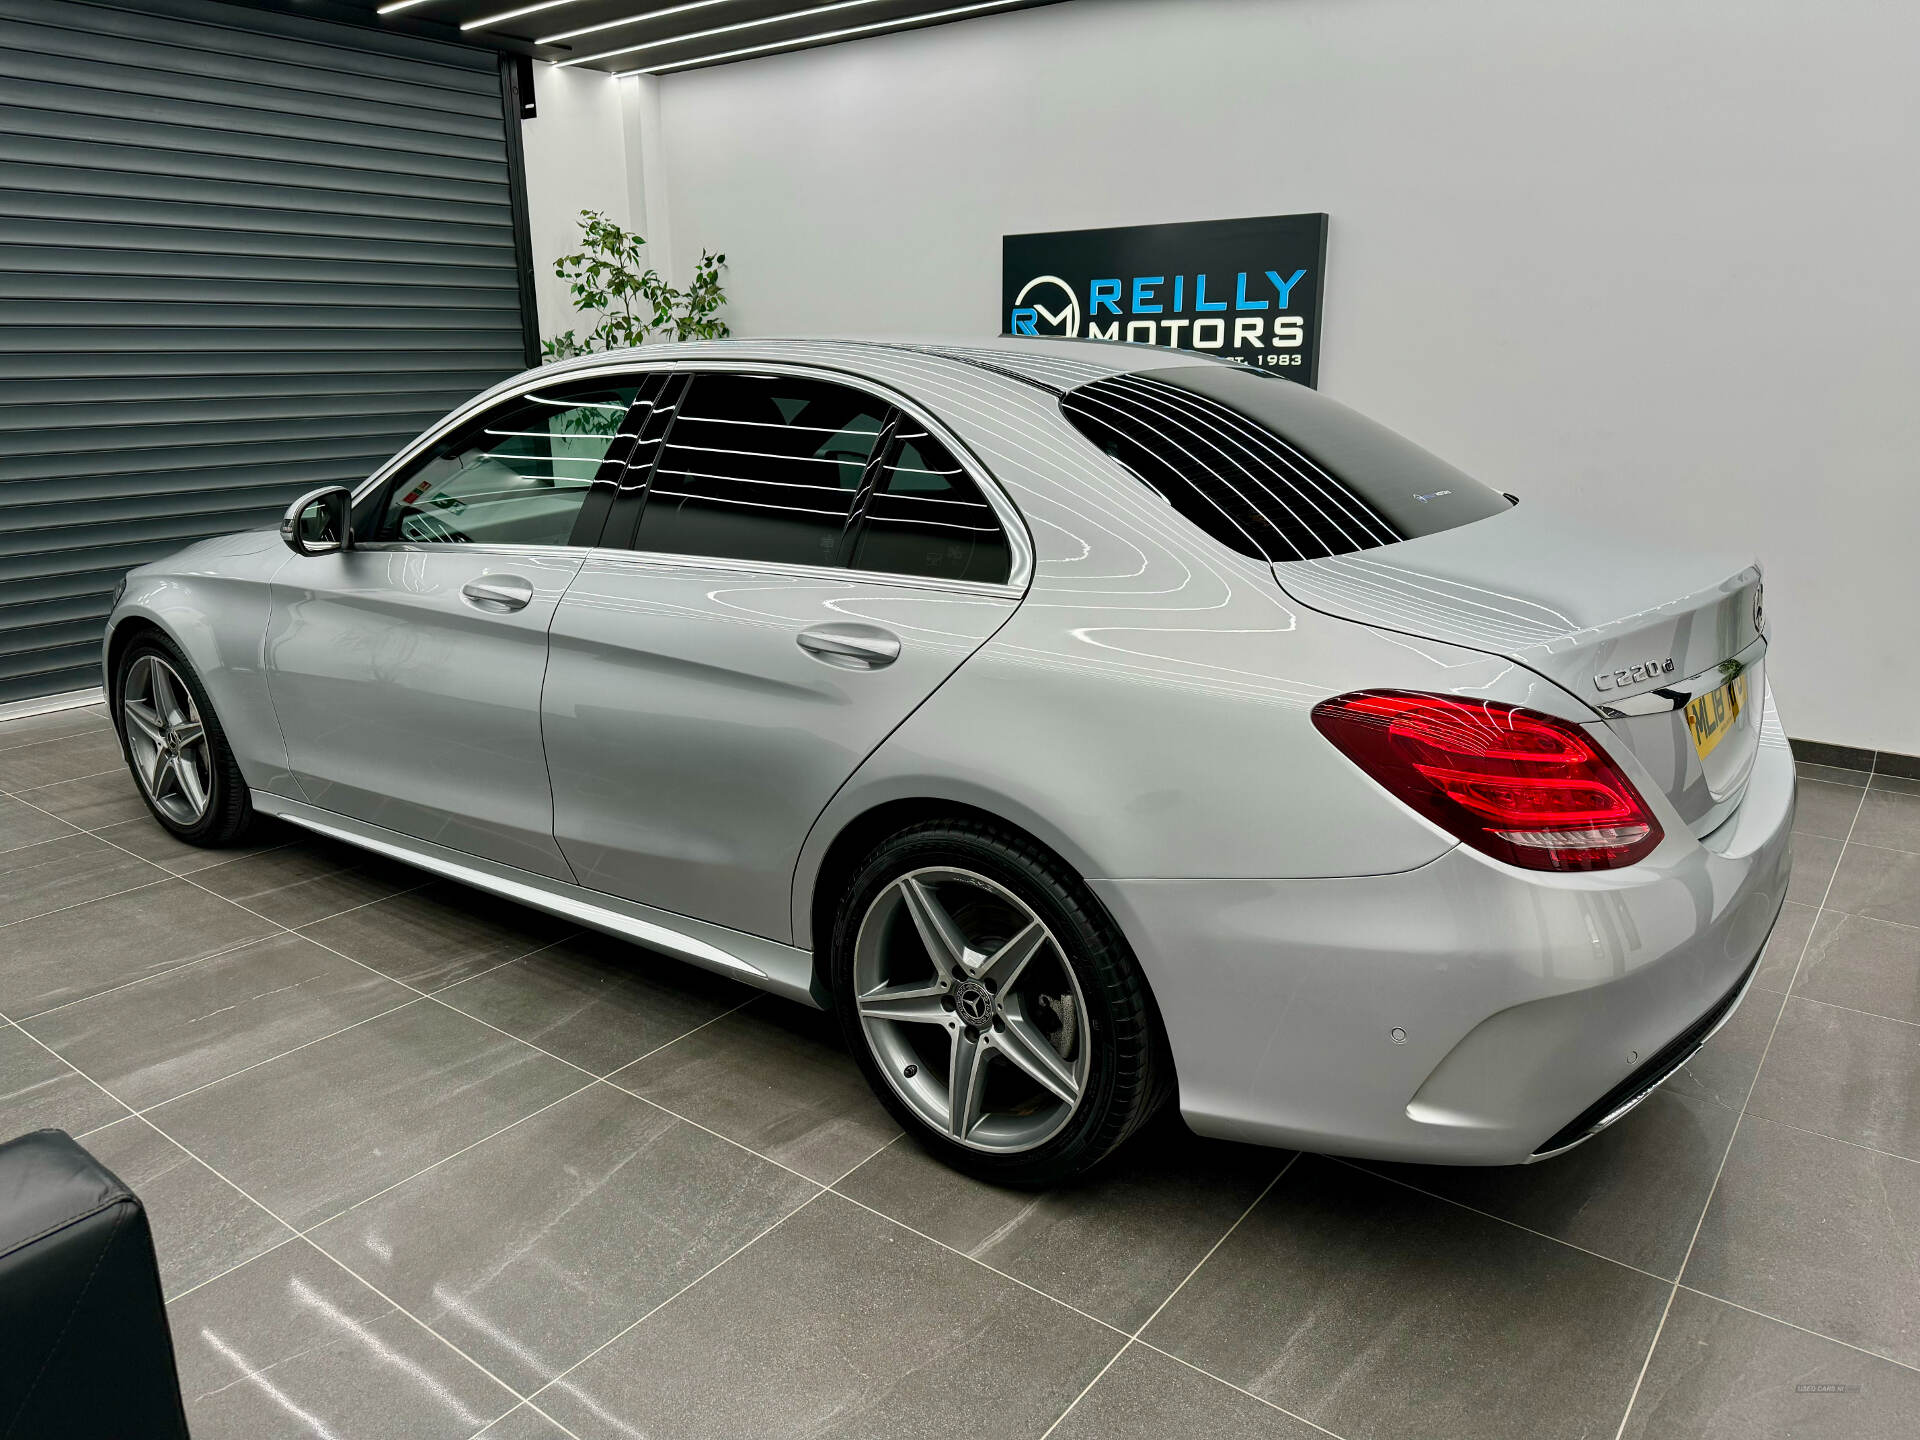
{"x": 1052, "y": 364}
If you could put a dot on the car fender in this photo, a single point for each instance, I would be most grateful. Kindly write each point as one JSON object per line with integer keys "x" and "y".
{"x": 213, "y": 600}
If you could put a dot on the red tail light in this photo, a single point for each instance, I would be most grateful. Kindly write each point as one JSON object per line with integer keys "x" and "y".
{"x": 1518, "y": 785}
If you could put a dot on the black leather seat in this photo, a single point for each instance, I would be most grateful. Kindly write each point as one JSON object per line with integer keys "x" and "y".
{"x": 87, "y": 1354}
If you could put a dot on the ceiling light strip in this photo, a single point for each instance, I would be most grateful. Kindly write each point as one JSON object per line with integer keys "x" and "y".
{"x": 394, "y": 5}
{"x": 637, "y": 19}
{"x": 486, "y": 21}
{"x": 798, "y": 42}
{"x": 722, "y": 30}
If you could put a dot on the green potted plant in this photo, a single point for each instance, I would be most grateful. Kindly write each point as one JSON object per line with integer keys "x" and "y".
{"x": 629, "y": 303}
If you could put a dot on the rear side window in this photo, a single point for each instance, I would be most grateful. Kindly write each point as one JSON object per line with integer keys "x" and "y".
{"x": 761, "y": 467}
{"x": 1270, "y": 468}
{"x": 927, "y": 517}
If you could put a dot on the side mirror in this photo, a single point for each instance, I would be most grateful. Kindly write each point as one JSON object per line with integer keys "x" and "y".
{"x": 319, "y": 522}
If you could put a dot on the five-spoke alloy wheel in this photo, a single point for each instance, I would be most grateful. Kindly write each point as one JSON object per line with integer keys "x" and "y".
{"x": 993, "y": 1004}
{"x": 175, "y": 747}
{"x": 167, "y": 739}
{"x": 971, "y": 1009}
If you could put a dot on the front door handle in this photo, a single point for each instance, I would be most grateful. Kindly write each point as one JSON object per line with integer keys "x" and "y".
{"x": 851, "y": 647}
{"x": 498, "y": 594}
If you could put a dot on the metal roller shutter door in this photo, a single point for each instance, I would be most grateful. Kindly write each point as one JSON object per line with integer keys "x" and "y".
{"x": 241, "y": 254}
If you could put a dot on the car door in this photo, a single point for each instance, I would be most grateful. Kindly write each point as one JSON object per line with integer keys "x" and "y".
{"x": 806, "y": 565}
{"x": 406, "y": 670}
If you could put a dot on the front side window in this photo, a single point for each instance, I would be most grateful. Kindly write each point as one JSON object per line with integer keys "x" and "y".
{"x": 927, "y": 517}
{"x": 1270, "y": 468}
{"x": 761, "y": 468}
{"x": 518, "y": 476}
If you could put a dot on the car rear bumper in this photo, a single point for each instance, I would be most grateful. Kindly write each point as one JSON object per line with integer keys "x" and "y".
{"x": 1464, "y": 1012}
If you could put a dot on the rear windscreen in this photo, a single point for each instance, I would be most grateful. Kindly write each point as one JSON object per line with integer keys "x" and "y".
{"x": 1271, "y": 468}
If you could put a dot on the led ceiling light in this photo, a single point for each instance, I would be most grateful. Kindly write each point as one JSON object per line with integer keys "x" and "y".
{"x": 505, "y": 15}
{"x": 635, "y": 19}
{"x": 825, "y": 35}
{"x": 719, "y": 30}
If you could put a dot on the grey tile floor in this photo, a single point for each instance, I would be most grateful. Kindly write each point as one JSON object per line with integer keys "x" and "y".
{"x": 423, "y": 1164}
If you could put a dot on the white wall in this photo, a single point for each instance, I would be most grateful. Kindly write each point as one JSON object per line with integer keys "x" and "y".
{"x": 1654, "y": 258}
{"x": 591, "y": 146}
{"x": 578, "y": 157}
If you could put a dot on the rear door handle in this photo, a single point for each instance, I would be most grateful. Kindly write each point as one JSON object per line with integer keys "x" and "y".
{"x": 851, "y": 646}
{"x": 498, "y": 594}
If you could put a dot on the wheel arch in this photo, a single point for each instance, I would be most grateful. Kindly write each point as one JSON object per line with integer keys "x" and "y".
{"x": 122, "y": 634}
{"x": 835, "y": 849}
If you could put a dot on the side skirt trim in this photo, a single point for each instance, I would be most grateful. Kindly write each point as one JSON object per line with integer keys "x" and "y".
{"x": 767, "y": 964}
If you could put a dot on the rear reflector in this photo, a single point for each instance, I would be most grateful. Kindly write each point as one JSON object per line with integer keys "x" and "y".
{"x": 1515, "y": 784}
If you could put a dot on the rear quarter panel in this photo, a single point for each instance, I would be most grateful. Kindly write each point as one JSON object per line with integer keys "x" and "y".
{"x": 1147, "y": 711}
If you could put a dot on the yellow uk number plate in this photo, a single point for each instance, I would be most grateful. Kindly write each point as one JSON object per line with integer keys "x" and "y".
{"x": 1710, "y": 717}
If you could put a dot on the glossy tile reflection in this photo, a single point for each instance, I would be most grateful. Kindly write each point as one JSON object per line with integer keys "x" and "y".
{"x": 292, "y": 1345}
{"x": 502, "y": 1248}
{"x": 531, "y": 1249}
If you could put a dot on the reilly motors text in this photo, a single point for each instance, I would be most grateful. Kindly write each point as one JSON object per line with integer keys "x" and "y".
{"x": 1246, "y": 290}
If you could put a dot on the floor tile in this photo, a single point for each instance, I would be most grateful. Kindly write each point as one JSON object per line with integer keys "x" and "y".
{"x": 148, "y": 839}
{"x": 291, "y": 1345}
{"x": 1148, "y": 1396}
{"x": 1834, "y": 774}
{"x": 202, "y": 1226}
{"x": 1890, "y": 815}
{"x": 1814, "y": 857}
{"x": 1114, "y": 1246}
{"x": 839, "y": 1323}
{"x": 530, "y": 1251}
{"x": 776, "y": 1078}
{"x": 93, "y": 803}
{"x": 71, "y": 954}
{"x": 595, "y": 1001}
{"x": 522, "y": 1424}
{"x": 52, "y": 725}
{"x": 1724, "y": 1374}
{"x": 1852, "y": 1076}
{"x": 39, "y": 1091}
{"x": 165, "y": 1036}
{"x": 1633, "y": 1193}
{"x": 26, "y": 767}
{"x": 1784, "y": 946}
{"x": 23, "y": 824}
{"x": 1818, "y": 1233}
{"x": 1722, "y": 1070}
{"x": 1825, "y": 808}
{"x": 439, "y": 934}
{"x": 1375, "y": 1311}
{"x": 309, "y": 880}
{"x": 1879, "y": 884}
{"x": 70, "y": 870}
{"x": 313, "y": 1132}
{"x": 1865, "y": 965}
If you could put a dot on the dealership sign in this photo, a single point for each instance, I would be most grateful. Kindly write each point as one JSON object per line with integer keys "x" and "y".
{"x": 1246, "y": 290}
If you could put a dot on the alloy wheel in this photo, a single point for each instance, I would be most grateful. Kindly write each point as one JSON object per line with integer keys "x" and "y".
{"x": 971, "y": 1010}
{"x": 168, "y": 740}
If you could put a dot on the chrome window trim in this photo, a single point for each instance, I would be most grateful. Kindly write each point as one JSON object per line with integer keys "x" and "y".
{"x": 456, "y": 547}
{"x": 1019, "y": 539}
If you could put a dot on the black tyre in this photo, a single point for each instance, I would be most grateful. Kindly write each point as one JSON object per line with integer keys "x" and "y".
{"x": 994, "y": 1006}
{"x": 174, "y": 745}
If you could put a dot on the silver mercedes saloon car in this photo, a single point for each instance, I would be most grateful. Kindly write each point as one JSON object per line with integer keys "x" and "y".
{"x": 1091, "y": 727}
